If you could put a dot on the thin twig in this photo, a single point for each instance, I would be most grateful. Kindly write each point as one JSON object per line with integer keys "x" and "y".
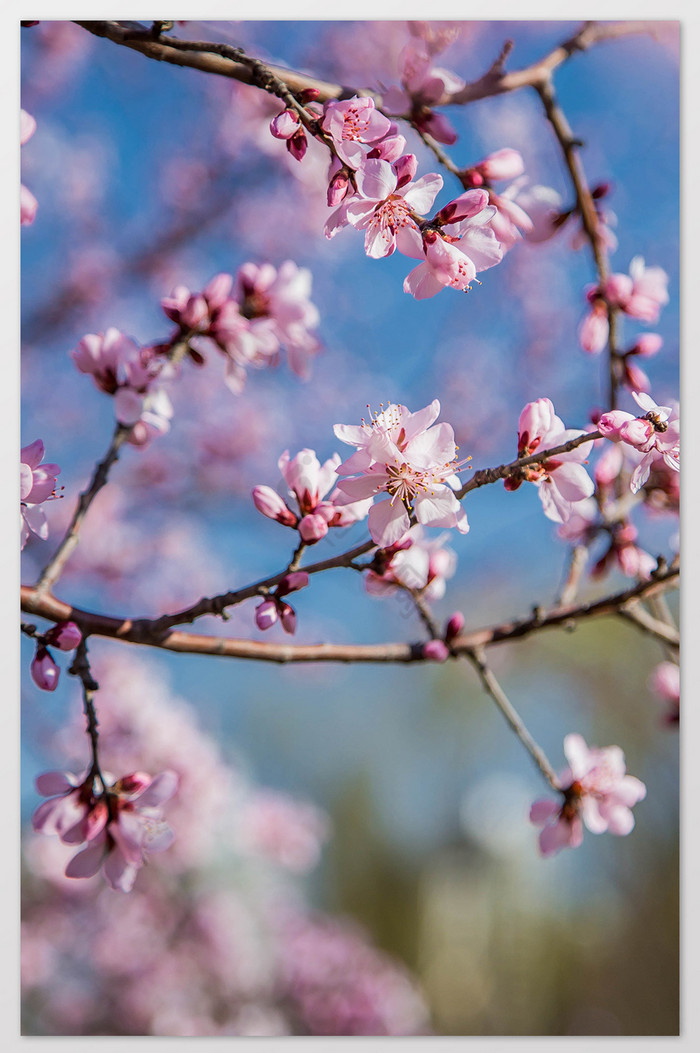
{"x": 638, "y": 615}
{"x": 484, "y": 476}
{"x": 491, "y": 685}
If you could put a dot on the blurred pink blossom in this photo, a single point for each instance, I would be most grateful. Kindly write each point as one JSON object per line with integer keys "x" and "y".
{"x": 597, "y": 793}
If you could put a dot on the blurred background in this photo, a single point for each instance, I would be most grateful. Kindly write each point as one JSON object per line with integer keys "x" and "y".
{"x": 337, "y": 815}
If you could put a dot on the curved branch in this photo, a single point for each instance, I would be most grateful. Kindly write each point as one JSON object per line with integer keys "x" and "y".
{"x": 226, "y": 61}
{"x": 149, "y": 632}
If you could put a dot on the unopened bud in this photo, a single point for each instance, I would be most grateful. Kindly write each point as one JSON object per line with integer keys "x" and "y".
{"x": 66, "y": 636}
{"x": 435, "y": 651}
{"x": 44, "y": 670}
{"x": 454, "y": 626}
{"x": 270, "y": 503}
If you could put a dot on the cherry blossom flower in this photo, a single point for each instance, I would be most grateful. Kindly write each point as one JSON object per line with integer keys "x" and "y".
{"x": 402, "y": 455}
{"x": 456, "y": 246}
{"x": 597, "y": 794}
{"x": 309, "y": 483}
{"x": 387, "y": 206}
{"x": 641, "y": 294}
{"x": 416, "y": 562}
{"x": 28, "y": 203}
{"x": 121, "y": 823}
{"x": 633, "y": 377}
{"x": 422, "y": 85}
{"x": 37, "y": 485}
{"x": 665, "y": 681}
{"x": 562, "y": 481}
{"x": 352, "y": 125}
{"x": 633, "y": 561}
{"x": 656, "y": 435}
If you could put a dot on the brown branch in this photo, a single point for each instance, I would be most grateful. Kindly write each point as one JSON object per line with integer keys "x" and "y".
{"x": 484, "y": 476}
{"x": 225, "y": 61}
{"x": 54, "y": 568}
{"x": 149, "y": 632}
{"x": 495, "y": 82}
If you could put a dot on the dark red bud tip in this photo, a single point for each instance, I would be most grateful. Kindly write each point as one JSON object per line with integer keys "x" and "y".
{"x": 601, "y": 190}
{"x": 308, "y": 95}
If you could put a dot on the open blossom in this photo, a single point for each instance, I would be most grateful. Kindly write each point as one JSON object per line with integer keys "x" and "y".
{"x": 37, "y": 484}
{"x": 510, "y": 221}
{"x": 309, "y": 482}
{"x": 640, "y": 294}
{"x": 456, "y": 246}
{"x": 121, "y": 821}
{"x": 562, "y": 481}
{"x": 597, "y": 794}
{"x": 656, "y": 434}
{"x": 250, "y": 318}
{"x": 401, "y": 454}
{"x": 353, "y": 125}
{"x": 414, "y": 561}
{"x": 423, "y": 85}
{"x": 386, "y": 206}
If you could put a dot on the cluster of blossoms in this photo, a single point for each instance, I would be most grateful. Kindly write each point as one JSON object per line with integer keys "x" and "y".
{"x": 640, "y": 294}
{"x": 249, "y": 319}
{"x": 37, "y": 484}
{"x": 422, "y": 86}
{"x": 65, "y": 636}
{"x": 311, "y": 485}
{"x": 414, "y": 562}
{"x": 28, "y": 203}
{"x": 597, "y": 792}
{"x": 562, "y": 481}
{"x": 119, "y": 821}
{"x": 131, "y": 374}
{"x": 655, "y": 434}
{"x": 412, "y": 460}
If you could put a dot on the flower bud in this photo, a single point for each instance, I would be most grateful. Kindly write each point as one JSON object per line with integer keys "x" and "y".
{"x": 454, "y": 626}
{"x": 65, "y": 635}
{"x": 270, "y": 503}
{"x": 297, "y": 145}
{"x": 285, "y": 124}
{"x": 338, "y": 187}
{"x": 503, "y": 164}
{"x": 298, "y": 579}
{"x": 216, "y": 292}
{"x": 312, "y": 528}
{"x": 435, "y": 651}
{"x": 287, "y": 617}
{"x": 44, "y": 670}
{"x": 266, "y": 614}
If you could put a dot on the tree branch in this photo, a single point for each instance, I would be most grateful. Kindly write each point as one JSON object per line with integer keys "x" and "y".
{"x": 149, "y": 632}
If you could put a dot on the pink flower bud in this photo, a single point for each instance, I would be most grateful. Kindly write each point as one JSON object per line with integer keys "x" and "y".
{"x": 298, "y": 579}
{"x": 194, "y": 312}
{"x": 271, "y": 505}
{"x": 297, "y": 145}
{"x": 44, "y": 670}
{"x": 285, "y": 124}
{"x": 435, "y": 651}
{"x": 503, "y": 164}
{"x": 454, "y": 626}
{"x": 647, "y": 344}
{"x": 609, "y": 424}
{"x": 66, "y": 636}
{"x": 594, "y": 329}
{"x": 266, "y": 614}
{"x": 338, "y": 187}
{"x": 405, "y": 169}
{"x": 463, "y": 207}
{"x": 288, "y": 618}
{"x": 637, "y": 432}
{"x": 437, "y": 125}
{"x": 216, "y": 292}
{"x": 609, "y": 466}
{"x": 634, "y": 377}
{"x": 312, "y": 528}
{"x": 308, "y": 95}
